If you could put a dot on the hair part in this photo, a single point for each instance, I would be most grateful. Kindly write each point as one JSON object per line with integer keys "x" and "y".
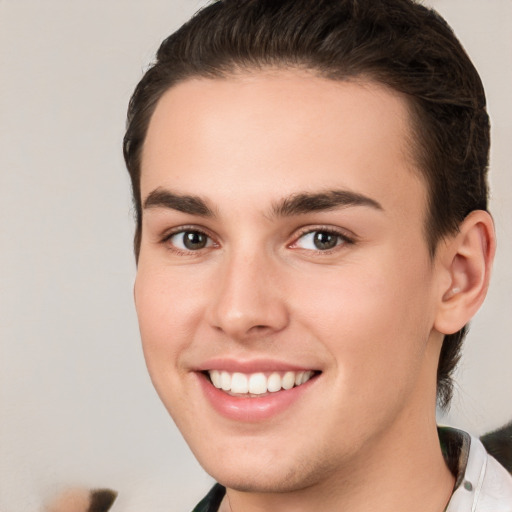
{"x": 397, "y": 43}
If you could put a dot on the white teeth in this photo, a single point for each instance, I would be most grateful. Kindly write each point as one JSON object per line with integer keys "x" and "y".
{"x": 215, "y": 377}
{"x": 288, "y": 380}
{"x": 225, "y": 381}
{"x": 257, "y": 383}
{"x": 239, "y": 383}
{"x": 274, "y": 383}
{"x": 306, "y": 377}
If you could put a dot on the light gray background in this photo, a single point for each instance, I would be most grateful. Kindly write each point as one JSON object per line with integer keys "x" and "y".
{"x": 76, "y": 405}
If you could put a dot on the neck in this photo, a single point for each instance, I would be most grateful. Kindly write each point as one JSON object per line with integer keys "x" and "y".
{"x": 400, "y": 479}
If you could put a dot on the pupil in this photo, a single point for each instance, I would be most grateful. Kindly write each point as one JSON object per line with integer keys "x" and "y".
{"x": 324, "y": 240}
{"x": 194, "y": 240}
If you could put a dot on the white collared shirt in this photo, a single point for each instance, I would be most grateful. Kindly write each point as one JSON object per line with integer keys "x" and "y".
{"x": 483, "y": 485}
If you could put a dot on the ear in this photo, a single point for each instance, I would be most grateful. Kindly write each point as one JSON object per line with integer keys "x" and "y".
{"x": 466, "y": 262}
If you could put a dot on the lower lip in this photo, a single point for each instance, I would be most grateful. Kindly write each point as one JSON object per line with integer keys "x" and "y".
{"x": 251, "y": 409}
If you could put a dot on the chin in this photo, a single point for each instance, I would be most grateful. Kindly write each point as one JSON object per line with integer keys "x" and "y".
{"x": 262, "y": 474}
{"x": 264, "y": 483}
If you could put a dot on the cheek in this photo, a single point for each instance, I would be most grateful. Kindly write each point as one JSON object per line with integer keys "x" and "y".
{"x": 376, "y": 336}
{"x": 168, "y": 310}
{"x": 168, "y": 318}
{"x": 373, "y": 318}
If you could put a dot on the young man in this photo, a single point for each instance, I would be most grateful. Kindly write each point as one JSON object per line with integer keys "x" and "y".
{"x": 312, "y": 239}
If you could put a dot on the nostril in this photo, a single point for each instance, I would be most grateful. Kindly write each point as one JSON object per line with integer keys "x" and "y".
{"x": 259, "y": 329}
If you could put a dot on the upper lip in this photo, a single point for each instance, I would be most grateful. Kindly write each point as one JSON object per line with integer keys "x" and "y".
{"x": 251, "y": 366}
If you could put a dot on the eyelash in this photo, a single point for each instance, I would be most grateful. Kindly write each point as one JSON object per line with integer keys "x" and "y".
{"x": 165, "y": 240}
{"x": 343, "y": 240}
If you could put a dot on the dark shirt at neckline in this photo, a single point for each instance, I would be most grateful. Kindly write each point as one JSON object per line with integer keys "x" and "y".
{"x": 211, "y": 502}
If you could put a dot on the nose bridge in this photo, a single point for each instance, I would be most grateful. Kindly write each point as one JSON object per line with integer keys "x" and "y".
{"x": 249, "y": 300}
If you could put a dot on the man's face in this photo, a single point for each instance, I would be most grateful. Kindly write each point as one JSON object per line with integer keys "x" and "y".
{"x": 283, "y": 244}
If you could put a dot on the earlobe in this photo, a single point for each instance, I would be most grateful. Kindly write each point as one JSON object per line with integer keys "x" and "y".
{"x": 467, "y": 258}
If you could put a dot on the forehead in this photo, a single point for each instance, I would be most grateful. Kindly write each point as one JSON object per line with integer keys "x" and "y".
{"x": 261, "y": 133}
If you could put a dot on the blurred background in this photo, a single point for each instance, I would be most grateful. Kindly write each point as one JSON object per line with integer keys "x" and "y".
{"x": 76, "y": 405}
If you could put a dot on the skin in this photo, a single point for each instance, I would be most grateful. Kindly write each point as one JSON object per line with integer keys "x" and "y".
{"x": 369, "y": 314}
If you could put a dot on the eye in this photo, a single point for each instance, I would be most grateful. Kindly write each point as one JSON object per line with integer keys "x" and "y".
{"x": 320, "y": 240}
{"x": 190, "y": 240}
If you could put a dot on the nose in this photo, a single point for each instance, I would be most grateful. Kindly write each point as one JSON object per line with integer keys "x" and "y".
{"x": 250, "y": 300}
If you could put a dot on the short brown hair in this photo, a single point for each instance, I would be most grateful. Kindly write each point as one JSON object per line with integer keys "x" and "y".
{"x": 398, "y": 43}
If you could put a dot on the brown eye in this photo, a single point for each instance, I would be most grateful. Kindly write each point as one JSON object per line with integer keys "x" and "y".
{"x": 194, "y": 240}
{"x": 190, "y": 240}
{"x": 321, "y": 240}
{"x": 324, "y": 240}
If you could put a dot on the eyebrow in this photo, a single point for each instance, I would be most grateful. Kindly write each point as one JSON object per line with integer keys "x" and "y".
{"x": 192, "y": 205}
{"x": 302, "y": 203}
{"x": 297, "y": 204}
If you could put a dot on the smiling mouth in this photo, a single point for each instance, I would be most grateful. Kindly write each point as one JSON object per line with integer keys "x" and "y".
{"x": 258, "y": 384}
